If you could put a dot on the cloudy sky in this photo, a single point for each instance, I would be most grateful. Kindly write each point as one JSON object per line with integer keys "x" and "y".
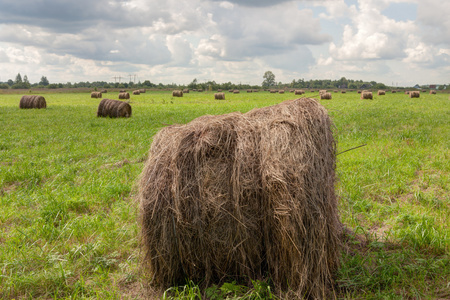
{"x": 400, "y": 42}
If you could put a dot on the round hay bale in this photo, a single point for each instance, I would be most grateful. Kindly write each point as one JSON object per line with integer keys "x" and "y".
{"x": 142, "y": 91}
{"x": 32, "y": 101}
{"x": 381, "y": 93}
{"x": 299, "y": 92}
{"x": 186, "y": 91}
{"x": 122, "y": 91}
{"x": 177, "y": 93}
{"x": 366, "y": 95}
{"x": 322, "y": 91}
{"x": 124, "y": 95}
{"x": 200, "y": 90}
{"x": 343, "y": 92}
{"x": 414, "y": 94}
{"x": 136, "y": 92}
{"x": 359, "y": 92}
{"x": 114, "y": 109}
{"x": 96, "y": 95}
{"x": 393, "y": 91}
{"x": 249, "y": 91}
{"x": 326, "y": 96}
{"x": 273, "y": 91}
{"x": 255, "y": 91}
{"x": 219, "y": 96}
{"x": 432, "y": 92}
{"x": 219, "y": 90}
{"x": 281, "y": 92}
{"x": 236, "y": 91}
{"x": 244, "y": 196}
{"x": 230, "y": 91}
{"x": 104, "y": 92}
{"x": 406, "y": 92}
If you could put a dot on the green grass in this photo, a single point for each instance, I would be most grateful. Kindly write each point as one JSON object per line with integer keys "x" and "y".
{"x": 68, "y": 182}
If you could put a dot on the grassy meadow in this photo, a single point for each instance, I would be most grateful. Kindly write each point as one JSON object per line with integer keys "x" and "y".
{"x": 68, "y": 215}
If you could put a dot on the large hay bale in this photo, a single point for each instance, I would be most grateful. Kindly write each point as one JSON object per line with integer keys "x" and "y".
{"x": 124, "y": 95}
{"x": 381, "y": 93}
{"x": 414, "y": 94}
{"x": 326, "y": 96}
{"x": 243, "y": 196}
{"x": 177, "y": 93}
{"x": 136, "y": 92}
{"x": 366, "y": 95}
{"x": 32, "y": 101}
{"x": 114, "y": 109}
{"x": 96, "y": 95}
{"x": 219, "y": 96}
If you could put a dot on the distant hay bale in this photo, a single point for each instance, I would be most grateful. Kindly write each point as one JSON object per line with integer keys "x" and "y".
{"x": 200, "y": 90}
{"x": 219, "y": 90}
{"x": 96, "y": 95}
{"x": 406, "y": 92}
{"x": 424, "y": 91}
{"x": 219, "y": 96}
{"x": 381, "y": 93}
{"x": 249, "y": 91}
{"x": 432, "y": 92}
{"x": 281, "y": 92}
{"x": 104, "y": 91}
{"x": 230, "y": 91}
{"x": 122, "y": 91}
{"x": 255, "y": 90}
{"x": 136, "y": 92}
{"x": 177, "y": 93}
{"x": 142, "y": 91}
{"x": 335, "y": 91}
{"x": 299, "y": 92}
{"x": 236, "y": 92}
{"x": 114, "y": 109}
{"x": 273, "y": 91}
{"x": 325, "y": 96}
{"x": 414, "y": 94}
{"x": 393, "y": 91}
{"x": 343, "y": 92}
{"x": 244, "y": 196}
{"x": 366, "y": 95}
{"x": 322, "y": 91}
{"x": 124, "y": 95}
{"x": 186, "y": 91}
{"x": 32, "y": 101}
{"x": 359, "y": 92}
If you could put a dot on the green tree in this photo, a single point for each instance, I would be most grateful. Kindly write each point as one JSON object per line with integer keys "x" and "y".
{"x": 18, "y": 78}
{"x": 44, "y": 81}
{"x": 269, "y": 79}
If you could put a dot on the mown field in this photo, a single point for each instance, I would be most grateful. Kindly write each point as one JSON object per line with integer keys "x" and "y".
{"x": 68, "y": 216}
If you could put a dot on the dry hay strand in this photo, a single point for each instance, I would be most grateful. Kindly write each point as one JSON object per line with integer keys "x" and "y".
{"x": 381, "y": 93}
{"x": 236, "y": 91}
{"x": 96, "y": 95}
{"x": 219, "y": 96}
{"x": 366, "y": 95}
{"x": 243, "y": 196}
{"x": 414, "y": 94}
{"x": 177, "y": 93}
{"x": 326, "y": 96}
{"x": 136, "y": 92}
{"x": 32, "y": 101}
{"x": 124, "y": 95}
{"x": 432, "y": 92}
{"x": 114, "y": 109}
{"x": 281, "y": 92}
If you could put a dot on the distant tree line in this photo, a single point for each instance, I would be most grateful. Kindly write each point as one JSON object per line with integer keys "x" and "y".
{"x": 211, "y": 85}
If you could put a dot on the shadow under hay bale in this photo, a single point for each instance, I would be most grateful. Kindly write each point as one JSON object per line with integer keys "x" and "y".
{"x": 32, "y": 101}
{"x": 124, "y": 95}
{"x": 114, "y": 109}
{"x": 244, "y": 196}
{"x": 219, "y": 96}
